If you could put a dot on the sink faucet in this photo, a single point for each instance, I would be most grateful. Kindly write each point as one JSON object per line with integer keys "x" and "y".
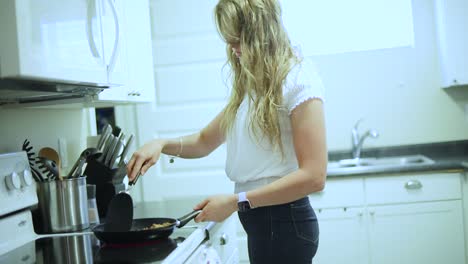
{"x": 357, "y": 141}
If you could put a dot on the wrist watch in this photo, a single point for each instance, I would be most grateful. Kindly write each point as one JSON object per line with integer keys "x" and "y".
{"x": 243, "y": 203}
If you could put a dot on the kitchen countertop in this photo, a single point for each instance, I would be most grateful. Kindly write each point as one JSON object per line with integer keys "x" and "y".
{"x": 447, "y": 156}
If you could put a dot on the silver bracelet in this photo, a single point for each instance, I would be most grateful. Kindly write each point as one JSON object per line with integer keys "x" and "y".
{"x": 181, "y": 147}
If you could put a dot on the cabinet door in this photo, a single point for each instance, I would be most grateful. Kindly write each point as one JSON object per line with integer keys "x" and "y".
{"x": 114, "y": 42}
{"x": 452, "y": 18}
{"x": 343, "y": 237}
{"x": 223, "y": 239}
{"x": 429, "y": 233}
{"x": 140, "y": 69}
{"x": 56, "y": 40}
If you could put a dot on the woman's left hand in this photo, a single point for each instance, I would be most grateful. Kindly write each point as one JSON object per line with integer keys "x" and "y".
{"x": 216, "y": 208}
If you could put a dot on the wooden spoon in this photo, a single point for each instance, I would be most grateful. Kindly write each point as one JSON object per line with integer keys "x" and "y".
{"x": 51, "y": 154}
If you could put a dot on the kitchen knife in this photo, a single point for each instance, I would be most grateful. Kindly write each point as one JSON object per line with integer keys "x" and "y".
{"x": 107, "y": 145}
{"x": 125, "y": 150}
{"x": 118, "y": 149}
{"x": 105, "y": 133}
{"x": 110, "y": 150}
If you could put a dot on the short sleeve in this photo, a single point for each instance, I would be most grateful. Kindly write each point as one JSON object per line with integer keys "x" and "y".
{"x": 302, "y": 84}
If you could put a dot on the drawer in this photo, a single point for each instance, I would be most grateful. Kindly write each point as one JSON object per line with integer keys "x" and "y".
{"x": 339, "y": 192}
{"x": 413, "y": 188}
{"x": 224, "y": 238}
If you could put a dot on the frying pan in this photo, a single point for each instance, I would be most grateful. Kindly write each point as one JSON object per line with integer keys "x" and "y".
{"x": 138, "y": 234}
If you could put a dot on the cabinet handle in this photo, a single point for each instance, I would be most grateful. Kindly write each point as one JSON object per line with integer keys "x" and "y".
{"x": 134, "y": 94}
{"x": 113, "y": 57}
{"x": 89, "y": 28}
{"x": 224, "y": 239}
{"x": 413, "y": 185}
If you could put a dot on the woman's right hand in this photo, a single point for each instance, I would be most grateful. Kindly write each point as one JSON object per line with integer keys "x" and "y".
{"x": 144, "y": 158}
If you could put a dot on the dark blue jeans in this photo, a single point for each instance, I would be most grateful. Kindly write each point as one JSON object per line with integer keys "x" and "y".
{"x": 286, "y": 233}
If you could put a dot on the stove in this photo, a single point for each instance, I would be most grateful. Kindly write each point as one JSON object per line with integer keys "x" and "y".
{"x": 86, "y": 248}
{"x": 20, "y": 243}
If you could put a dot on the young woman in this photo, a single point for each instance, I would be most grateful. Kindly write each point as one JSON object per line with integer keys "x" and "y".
{"x": 274, "y": 129}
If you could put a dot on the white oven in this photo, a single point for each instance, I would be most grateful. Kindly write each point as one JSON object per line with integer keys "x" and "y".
{"x": 17, "y": 195}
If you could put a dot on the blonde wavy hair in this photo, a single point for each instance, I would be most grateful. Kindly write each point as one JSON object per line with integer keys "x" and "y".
{"x": 260, "y": 72}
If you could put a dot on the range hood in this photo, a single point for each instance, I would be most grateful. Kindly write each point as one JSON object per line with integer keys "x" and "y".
{"x": 19, "y": 92}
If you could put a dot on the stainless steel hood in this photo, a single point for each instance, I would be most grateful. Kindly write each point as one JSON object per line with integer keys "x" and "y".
{"x": 17, "y": 92}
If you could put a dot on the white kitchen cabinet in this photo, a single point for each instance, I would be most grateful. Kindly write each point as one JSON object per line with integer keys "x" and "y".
{"x": 429, "y": 233}
{"x": 221, "y": 246}
{"x": 342, "y": 222}
{"x": 132, "y": 73}
{"x": 451, "y": 21}
{"x": 339, "y": 209}
{"x": 343, "y": 236}
{"x": 411, "y": 218}
{"x": 93, "y": 42}
{"x": 415, "y": 218}
{"x": 139, "y": 64}
{"x": 223, "y": 240}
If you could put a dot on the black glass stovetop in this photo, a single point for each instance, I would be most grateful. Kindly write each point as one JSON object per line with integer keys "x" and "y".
{"x": 86, "y": 248}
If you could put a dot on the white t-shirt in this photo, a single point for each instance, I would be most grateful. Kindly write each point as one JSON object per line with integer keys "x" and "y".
{"x": 251, "y": 164}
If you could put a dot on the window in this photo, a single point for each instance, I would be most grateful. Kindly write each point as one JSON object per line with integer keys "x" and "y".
{"x": 337, "y": 26}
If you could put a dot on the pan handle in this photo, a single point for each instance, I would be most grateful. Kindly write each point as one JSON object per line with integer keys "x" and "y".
{"x": 181, "y": 221}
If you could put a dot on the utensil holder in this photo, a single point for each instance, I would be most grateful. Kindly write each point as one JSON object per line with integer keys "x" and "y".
{"x": 108, "y": 183}
{"x": 63, "y": 205}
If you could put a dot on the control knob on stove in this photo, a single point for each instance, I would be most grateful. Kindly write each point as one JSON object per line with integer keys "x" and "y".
{"x": 13, "y": 181}
{"x": 27, "y": 178}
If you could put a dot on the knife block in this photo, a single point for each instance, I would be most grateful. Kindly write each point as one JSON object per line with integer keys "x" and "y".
{"x": 109, "y": 182}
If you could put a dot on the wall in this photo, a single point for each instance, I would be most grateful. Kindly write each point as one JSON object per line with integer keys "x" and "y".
{"x": 396, "y": 90}
{"x": 43, "y": 127}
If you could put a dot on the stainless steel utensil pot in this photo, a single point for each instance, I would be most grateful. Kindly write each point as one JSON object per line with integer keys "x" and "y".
{"x": 63, "y": 205}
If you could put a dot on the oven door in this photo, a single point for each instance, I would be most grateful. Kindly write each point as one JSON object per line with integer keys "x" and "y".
{"x": 205, "y": 253}
{"x": 23, "y": 254}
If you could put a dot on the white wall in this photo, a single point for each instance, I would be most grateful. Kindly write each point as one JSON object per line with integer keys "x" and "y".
{"x": 396, "y": 90}
{"x": 43, "y": 128}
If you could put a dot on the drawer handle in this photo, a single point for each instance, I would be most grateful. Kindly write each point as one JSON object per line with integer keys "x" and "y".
{"x": 413, "y": 185}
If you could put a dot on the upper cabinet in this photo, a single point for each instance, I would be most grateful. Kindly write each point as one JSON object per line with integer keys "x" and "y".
{"x": 451, "y": 21}
{"x": 133, "y": 61}
{"x": 93, "y": 43}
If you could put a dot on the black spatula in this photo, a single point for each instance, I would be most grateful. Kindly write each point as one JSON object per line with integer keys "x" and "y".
{"x": 119, "y": 215}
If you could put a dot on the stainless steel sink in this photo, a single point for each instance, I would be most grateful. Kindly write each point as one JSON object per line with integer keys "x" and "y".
{"x": 376, "y": 164}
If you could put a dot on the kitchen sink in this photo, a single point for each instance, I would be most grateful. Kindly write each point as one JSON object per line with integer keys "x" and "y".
{"x": 378, "y": 163}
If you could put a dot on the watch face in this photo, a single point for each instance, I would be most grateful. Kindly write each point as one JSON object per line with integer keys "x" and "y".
{"x": 243, "y": 206}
